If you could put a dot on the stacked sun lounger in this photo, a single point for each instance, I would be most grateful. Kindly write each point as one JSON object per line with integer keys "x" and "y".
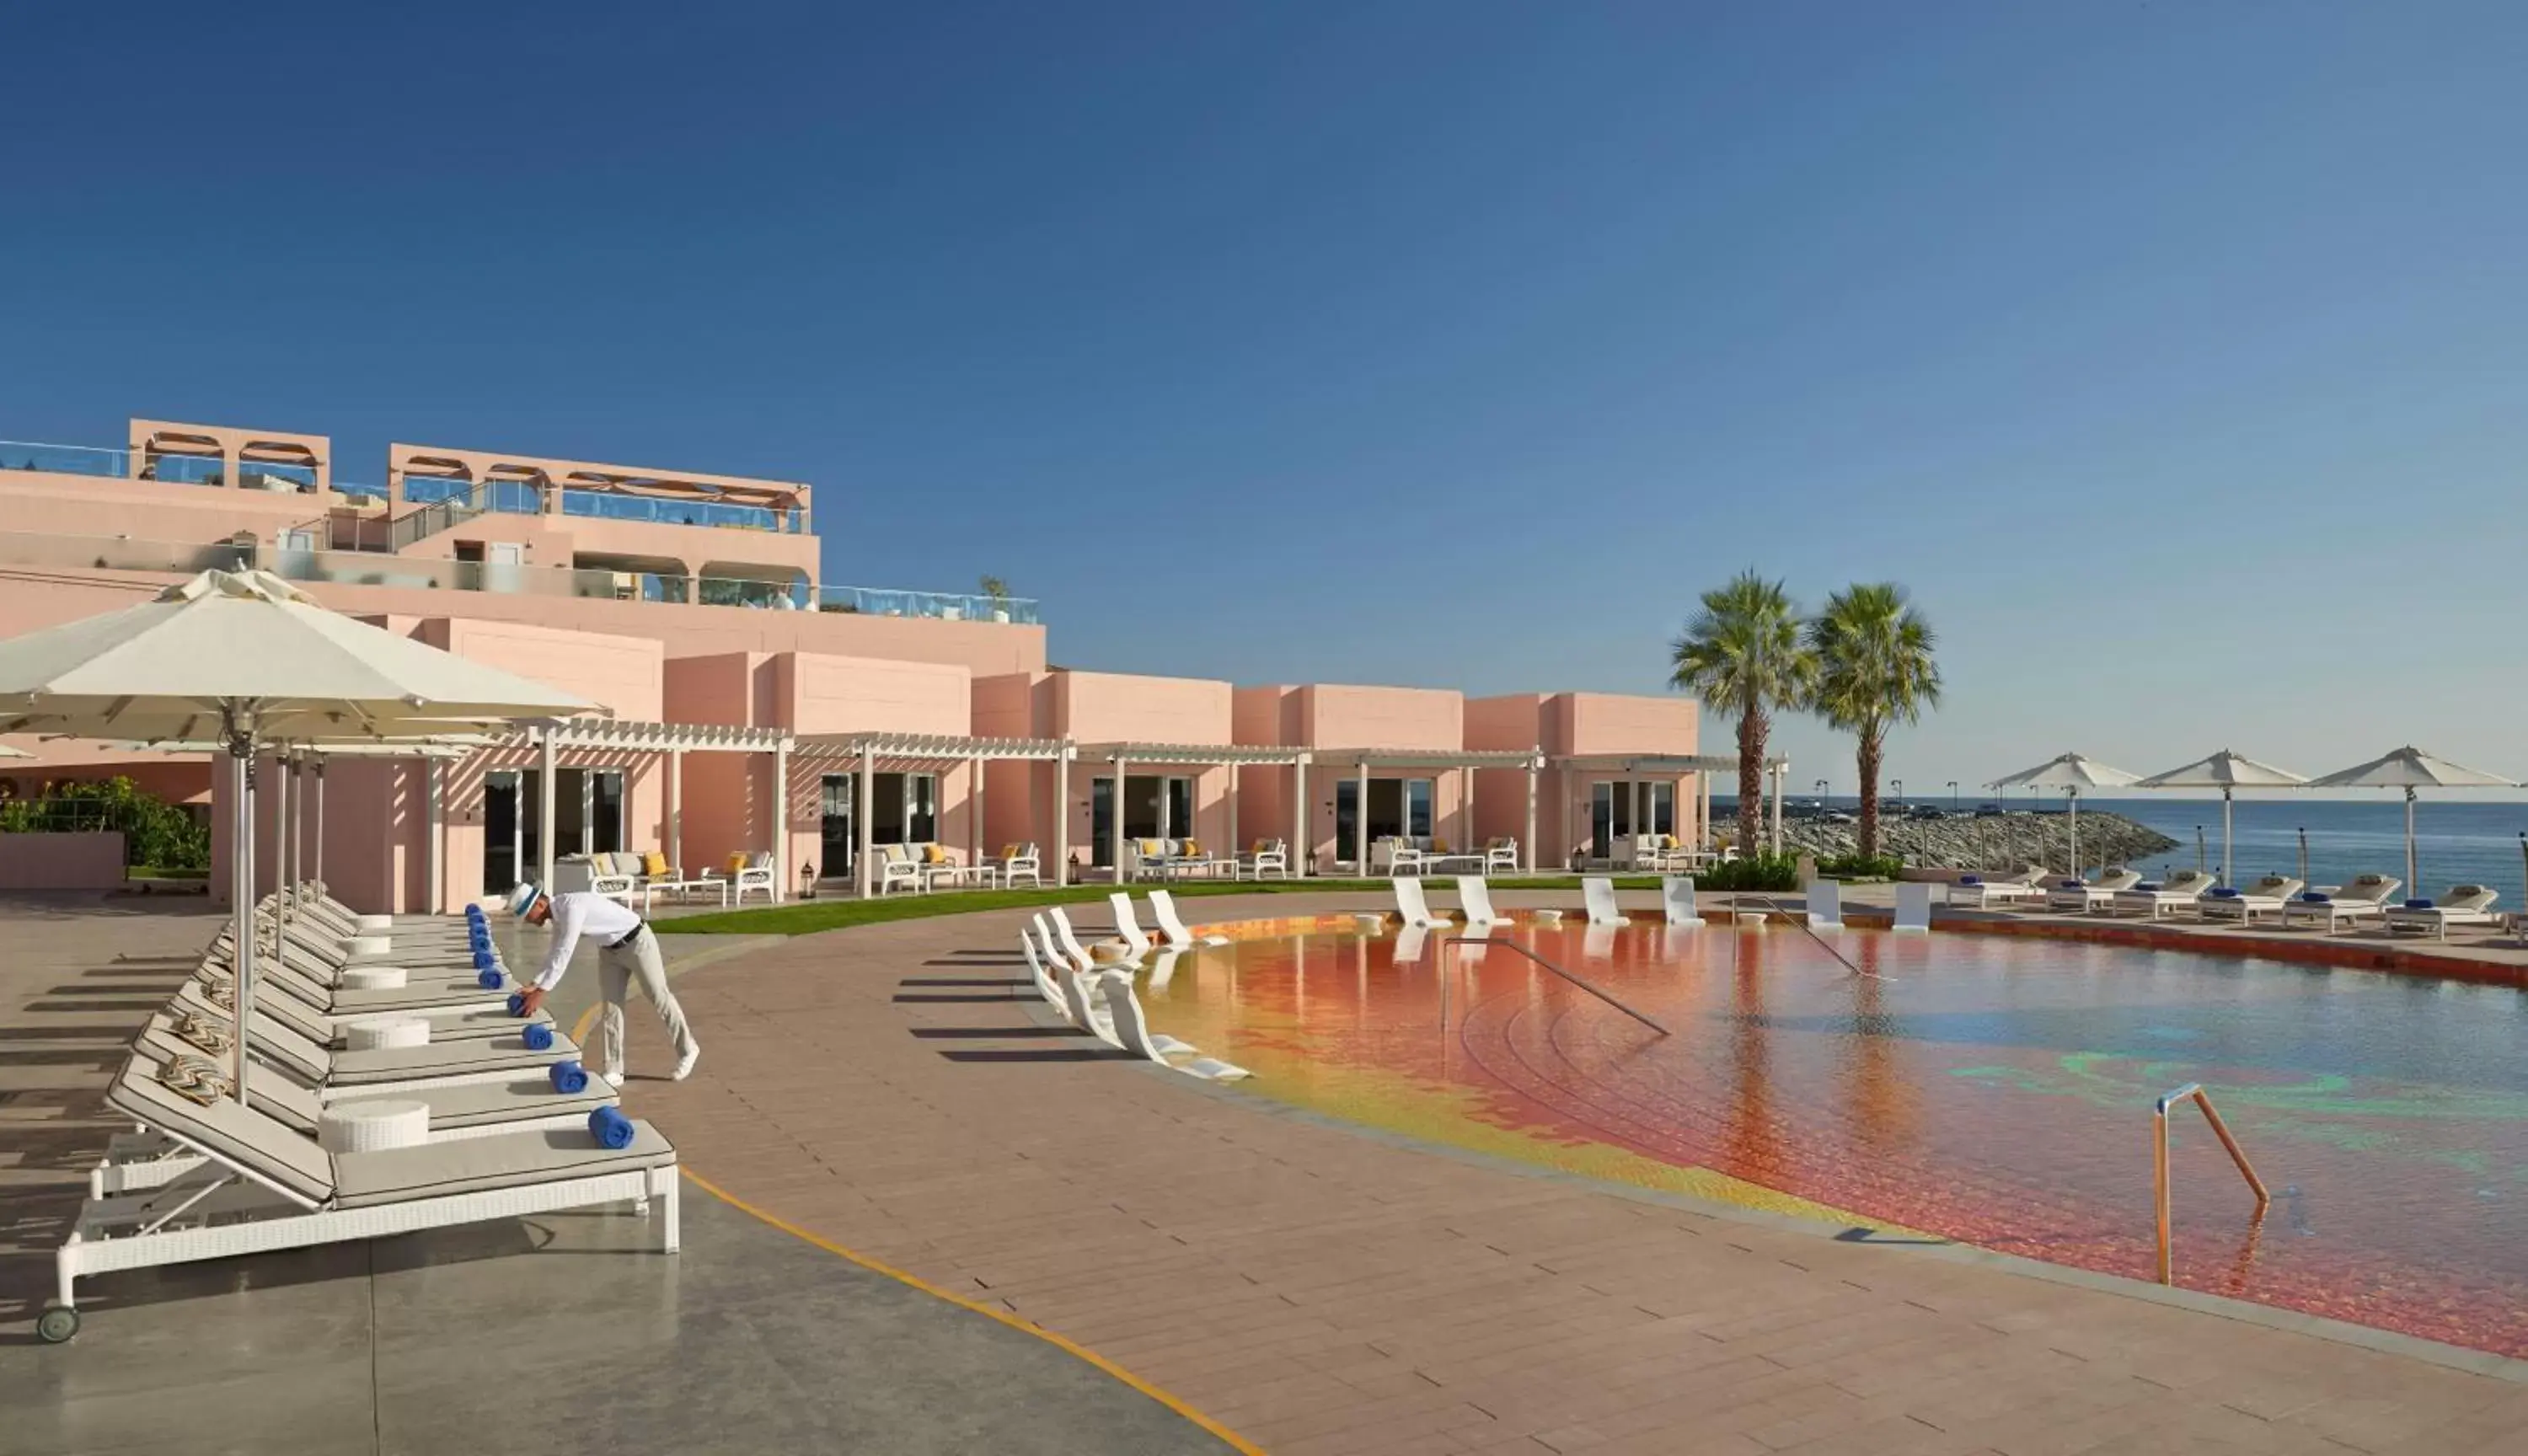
{"x": 389, "y": 1089}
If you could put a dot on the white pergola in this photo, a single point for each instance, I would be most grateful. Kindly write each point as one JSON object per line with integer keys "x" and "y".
{"x": 1231, "y": 756}
{"x": 1661, "y": 765}
{"x": 1463, "y": 761}
{"x": 671, "y": 740}
{"x": 866, "y": 750}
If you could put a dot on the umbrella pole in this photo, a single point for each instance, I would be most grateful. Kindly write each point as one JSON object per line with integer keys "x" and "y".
{"x": 2304, "y": 854}
{"x": 2228, "y": 855}
{"x": 2075, "y": 795}
{"x": 316, "y": 869}
{"x": 2413, "y": 871}
{"x": 241, "y": 888}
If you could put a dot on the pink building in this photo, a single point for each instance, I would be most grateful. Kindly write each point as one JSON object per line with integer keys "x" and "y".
{"x": 758, "y": 711}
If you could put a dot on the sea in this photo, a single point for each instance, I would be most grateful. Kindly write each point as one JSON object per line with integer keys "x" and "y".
{"x": 2458, "y": 839}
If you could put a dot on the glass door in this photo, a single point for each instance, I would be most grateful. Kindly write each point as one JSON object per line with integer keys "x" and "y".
{"x": 605, "y": 811}
{"x": 1346, "y": 818}
{"x": 834, "y": 821}
{"x": 1662, "y": 817}
{"x": 1101, "y": 822}
{"x": 501, "y": 831}
{"x": 1175, "y": 808}
{"x": 1418, "y": 796}
{"x": 921, "y": 808}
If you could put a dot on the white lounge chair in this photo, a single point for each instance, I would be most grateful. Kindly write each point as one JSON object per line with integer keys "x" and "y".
{"x": 2463, "y": 905}
{"x": 1475, "y": 897}
{"x": 1984, "y": 891}
{"x": 1825, "y": 905}
{"x": 2072, "y": 892}
{"x": 1163, "y": 970}
{"x": 264, "y": 1186}
{"x": 1676, "y": 892}
{"x": 1163, "y": 908}
{"x": 1127, "y": 927}
{"x": 1016, "y": 862}
{"x": 1133, "y": 1033}
{"x": 738, "y": 880}
{"x": 1269, "y": 856}
{"x": 473, "y": 1060}
{"x": 1410, "y": 903}
{"x": 1068, "y": 940}
{"x": 1598, "y": 894}
{"x": 1397, "y": 856}
{"x": 1044, "y": 964}
{"x": 289, "y": 1003}
{"x": 1913, "y": 907}
{"x": 2167, "y": 898}
{"x": 2269, "y": 895}
{"x": 2362, "y": 898}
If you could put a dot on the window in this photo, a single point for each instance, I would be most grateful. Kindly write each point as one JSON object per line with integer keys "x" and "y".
{"x": 1417, "y": 808}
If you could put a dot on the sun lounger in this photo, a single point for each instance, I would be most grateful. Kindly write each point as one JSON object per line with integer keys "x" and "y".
{"x": 2177, "y": 892}
{"x": 2463, "y": 905}
{"x": 1475, "y": 897}
{"x": 1912, "y": 906}
{"x": 1676, "y": 892}
{"x": 1598, "y": 894}
{"x": 1069, "y": 941}
{"x": 1984, "y": 891}
{"x": 1127, "y": 927}
{"x": 2072, "y": 892}
{"x": 1825, "y": 905}
{"x": 1163, "y": 970}
{"x": 1131, "y": 1032}
{"x": 2269, "y": 895}
{"x": 265, "y": 1186}
{"x": 2363, "y": 898}
{"x": 423, "y": 993}
{"x": 290, "y": 1006}
{"x": 1410, "y": 903}
{"x": 1163, "y": 908}
{"x": 475, "y": 1060}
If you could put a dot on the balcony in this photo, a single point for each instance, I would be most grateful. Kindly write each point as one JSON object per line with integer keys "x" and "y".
{"x": 173, "y": 470}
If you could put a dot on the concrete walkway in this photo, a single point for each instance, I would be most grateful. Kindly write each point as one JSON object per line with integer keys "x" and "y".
{"x": 561, "y": 1333}
{"x": 1319, "y": 1291}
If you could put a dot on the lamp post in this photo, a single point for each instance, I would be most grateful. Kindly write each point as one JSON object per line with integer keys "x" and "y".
{"x": 1953, "y": 795}
{"x": 1900, "y": 794}
{"x": 1820, "y": 794}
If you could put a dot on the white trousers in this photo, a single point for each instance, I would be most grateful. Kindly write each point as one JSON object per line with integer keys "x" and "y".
{"x": 617, "y": 967}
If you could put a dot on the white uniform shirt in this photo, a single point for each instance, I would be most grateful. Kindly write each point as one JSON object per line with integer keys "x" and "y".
{"x": 576, "y": 914}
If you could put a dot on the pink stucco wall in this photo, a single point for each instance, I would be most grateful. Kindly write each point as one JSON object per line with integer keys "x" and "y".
{"x": 1563, "y": 724}
{"x": 61, "y": 861}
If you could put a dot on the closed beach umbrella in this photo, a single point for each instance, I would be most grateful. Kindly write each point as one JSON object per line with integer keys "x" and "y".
{"x": 2411, "y": 769}
{"x": 2071, "y": 773}
{"x": 248, "y": 660}
{"x": 2226, "y": 771}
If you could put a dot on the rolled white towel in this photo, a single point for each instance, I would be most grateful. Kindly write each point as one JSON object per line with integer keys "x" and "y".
{"x": 378, "y": 1037}
{"x": 372, "y": 1125}
{"x": 373, "y": 978}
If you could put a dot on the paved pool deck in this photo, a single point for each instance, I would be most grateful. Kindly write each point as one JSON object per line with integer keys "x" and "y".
{"x": 895, "y": 1095}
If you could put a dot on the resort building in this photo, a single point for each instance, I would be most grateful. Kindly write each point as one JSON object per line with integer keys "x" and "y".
{"x": 758, "y": 711}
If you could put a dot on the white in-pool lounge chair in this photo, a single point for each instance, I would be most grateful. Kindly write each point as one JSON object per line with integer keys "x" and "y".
{"x": 1070, "y": 946}
{"x": 1180, "y": 936}
{"x": 1044, "y": 966}
{"x": 1913, "y": 907}
{"x": 2072, "y": 892}
{"x": 1133, "y": 1033}
{"x": 1475, "y": 897}
{"x": 2269, "y": 895}
{"x": 2463, "y": 905}
{"x": 1824, "y": 899}
{"x": 1676, "y": 895}
{"x": 1598, "y": 894}
{"x": 1983, "y": 891}
{"x": 1128, "y": 927}
{"x": 1410, "y": 903}
{"x": 2177, "y": 892}
{"x": 2362, "y": 898}
{"x": 264, "y": 1186}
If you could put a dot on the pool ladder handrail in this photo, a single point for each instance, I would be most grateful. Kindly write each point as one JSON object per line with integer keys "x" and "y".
{"x": 2192, "y": 1092}
{"x": 1583, "y": 983}
{"x": 1823, "y": 944}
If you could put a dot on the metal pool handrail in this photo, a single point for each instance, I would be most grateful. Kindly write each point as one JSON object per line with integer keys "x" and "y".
{"x": 2194, "y": 1092}
{"x": 1822, "y": 943}
{"x": 1580, "y": 981}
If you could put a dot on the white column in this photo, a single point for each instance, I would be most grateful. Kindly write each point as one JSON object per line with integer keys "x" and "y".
{"x": 1465, "y": 809}
{"x": 1303, "y": 850}
{"x": 1062, "y": 819}
{"x": 1361, "y": 824}
{"x": 676, "y": 811}
{"x": 434, "y": 890}
{"x": 1232, "y": 819}
{"x": 545, "y": 812}
{"x": 1781, "y": 776}
{"x": 780, "y": 819}
{"x": 866, "y": 791}
{"x": 974, "y": 812}
{"x": 1527, "y": 845}
{"x": 1703, "y": 805}
{"x": 1114, "y": 814}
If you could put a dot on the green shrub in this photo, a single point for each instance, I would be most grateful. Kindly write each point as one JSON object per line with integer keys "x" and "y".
{"x": 1759, "y": 871}
{"x": 154, "y": 832}
{"x": 1862, "y": 867}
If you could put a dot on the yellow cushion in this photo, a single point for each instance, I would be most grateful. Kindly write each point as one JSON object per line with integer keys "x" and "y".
{"x": 735, "y": 863}
{"x": 1438, "y": 847}
{"x": 1149, "y": 849}
{"x": 653, "y": 865}
{"x": 1191, "y": 849}
{"x": 1262, "y": 845}
{"x": 933, "y": 854}
{"x": 1009, "y": 852}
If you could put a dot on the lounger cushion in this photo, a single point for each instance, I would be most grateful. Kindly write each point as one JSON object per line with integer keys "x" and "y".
{"x": 477, "y": 1164}
{"x": 253, "y": 1139}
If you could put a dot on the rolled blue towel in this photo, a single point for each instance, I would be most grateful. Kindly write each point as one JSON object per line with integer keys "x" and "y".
{"x": 488, "y": 978}
{"x": 1969, "y": 880}
{"x": 610, "y": 1128}
{"x": 517, "y": 1003}
{"x": 474, "y": 917}
{"x": 486, "y": 961}
{"x": 2074, "y": 884}
{"x": 2316, "y": 896}
{"x": 2148, "y": 887}
{"x": 538, "y": 1036}
{"x": 2225, "y": 892}
{"x": 570, "y": 1079}
{"x": 2421, "y": 904}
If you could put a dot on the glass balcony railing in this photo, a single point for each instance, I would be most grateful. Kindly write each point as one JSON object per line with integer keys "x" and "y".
{"x": 504, "y": 497}
{"x": 663, "y": 511}
{"x": 173, "y": 470}
{"x": 65, "y": 459}
{"x": 951, "y": 606}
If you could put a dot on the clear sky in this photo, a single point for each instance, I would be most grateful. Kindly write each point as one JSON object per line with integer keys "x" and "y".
{"x": 2172, "y": 353}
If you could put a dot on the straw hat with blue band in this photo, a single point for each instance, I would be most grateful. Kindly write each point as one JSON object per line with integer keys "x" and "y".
{"x": 525, "y": 899}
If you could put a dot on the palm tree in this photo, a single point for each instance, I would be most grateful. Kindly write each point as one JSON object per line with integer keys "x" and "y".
{"x": 1874, "y": 650}
{"x": 1743, "y": 653}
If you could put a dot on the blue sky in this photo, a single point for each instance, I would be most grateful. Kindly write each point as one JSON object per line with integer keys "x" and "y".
{"x": 2170, "y": 353}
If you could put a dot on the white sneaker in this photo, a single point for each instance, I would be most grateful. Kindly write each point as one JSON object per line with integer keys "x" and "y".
{"x": 613, "y": 1078}
{"x": 685, "y": 1063}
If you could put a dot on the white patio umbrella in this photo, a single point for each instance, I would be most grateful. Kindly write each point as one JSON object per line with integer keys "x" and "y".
{"x": 2411, "y": 769}
{"x": 2071, "y": 773}
{"x": 248, "y": 660}
{"x": 2226, "y": 771}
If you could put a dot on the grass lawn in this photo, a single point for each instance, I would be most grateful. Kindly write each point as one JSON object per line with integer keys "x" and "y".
{"x": 807, "y": 916}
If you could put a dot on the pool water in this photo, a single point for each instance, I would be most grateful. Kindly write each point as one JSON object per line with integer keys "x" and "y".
{"x": 1992, "y": 1090}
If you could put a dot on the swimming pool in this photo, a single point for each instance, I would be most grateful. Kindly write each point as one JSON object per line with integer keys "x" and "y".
{"x": 1992, "y": 1090}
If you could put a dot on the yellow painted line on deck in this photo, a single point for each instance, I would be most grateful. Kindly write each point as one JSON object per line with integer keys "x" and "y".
{"x": 1235, "y": 1442}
